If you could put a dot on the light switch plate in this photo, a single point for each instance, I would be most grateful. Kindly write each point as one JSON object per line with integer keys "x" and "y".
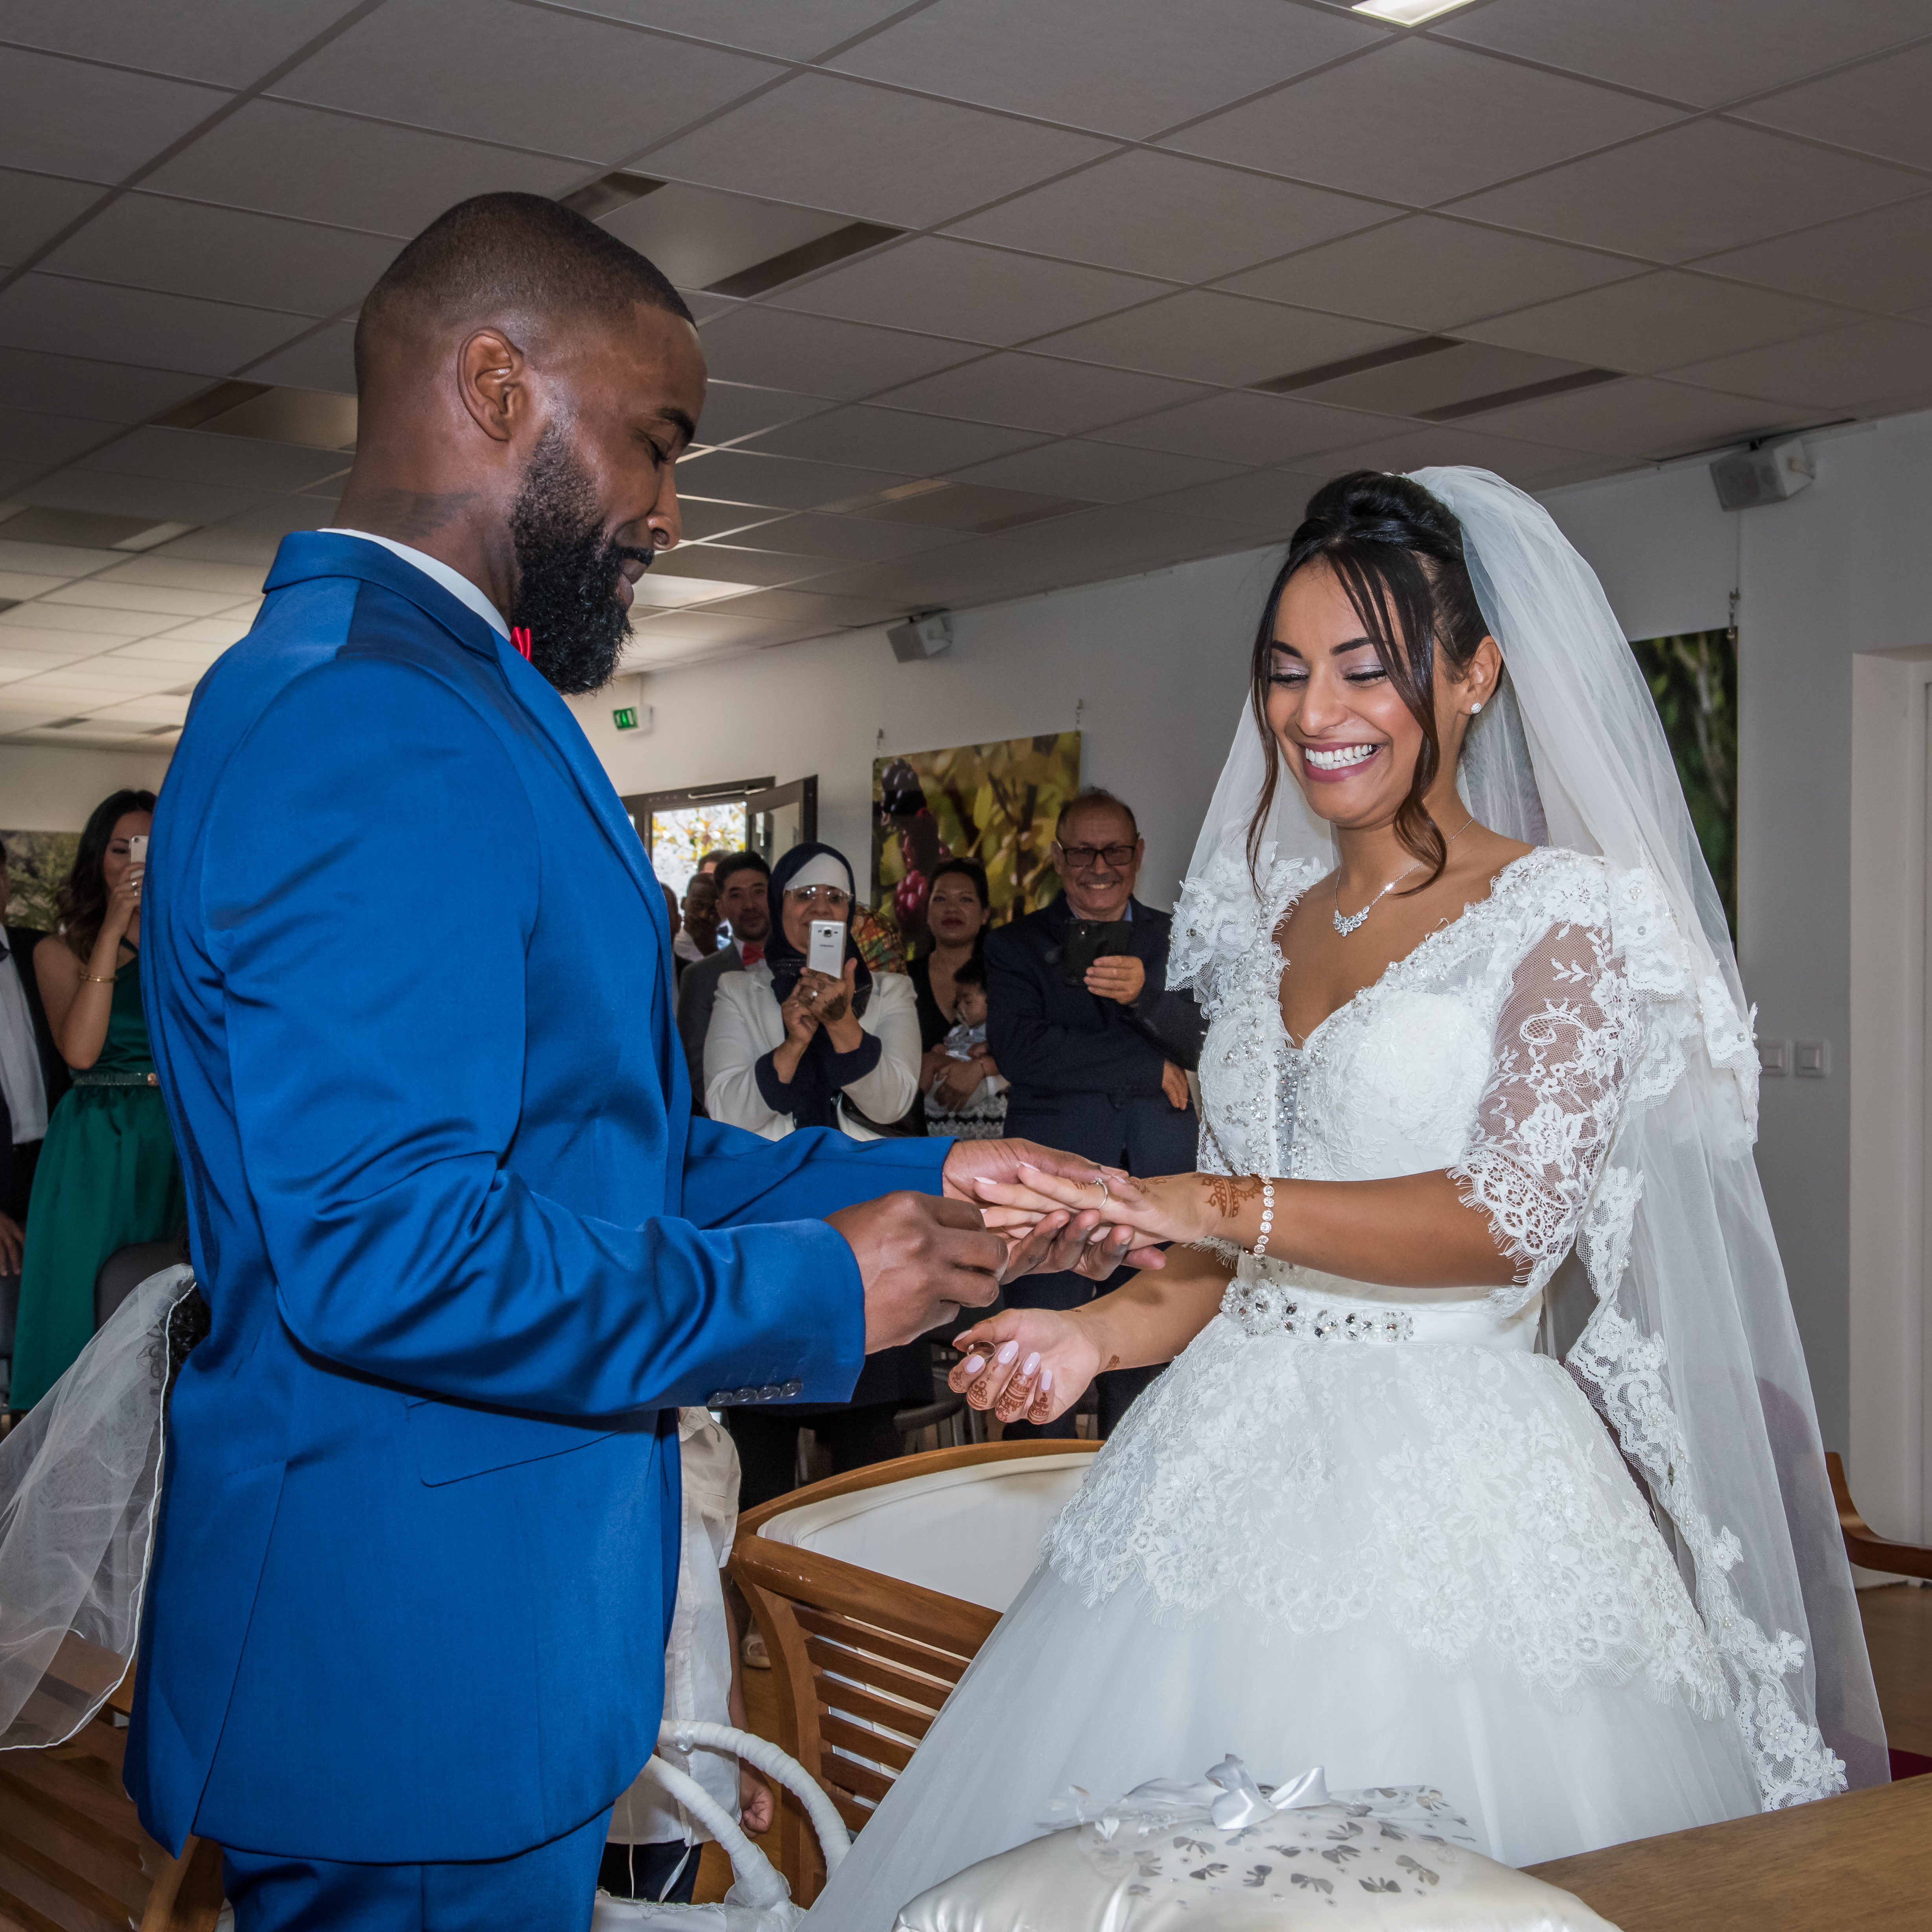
{"x": 1774, "y": 1056}
{"x": 1813, "y": 1059}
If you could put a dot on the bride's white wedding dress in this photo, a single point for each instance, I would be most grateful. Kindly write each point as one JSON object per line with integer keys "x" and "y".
{"x": 1370, "y": 1528}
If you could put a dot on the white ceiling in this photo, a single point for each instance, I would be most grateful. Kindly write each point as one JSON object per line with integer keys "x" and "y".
{"x": 1145, "y": 251}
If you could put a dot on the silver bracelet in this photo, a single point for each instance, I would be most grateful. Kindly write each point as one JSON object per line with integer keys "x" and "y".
{"x": 1268, "y": 1217}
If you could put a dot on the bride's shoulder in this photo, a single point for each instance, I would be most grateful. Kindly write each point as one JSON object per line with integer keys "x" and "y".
{"x": 1569, "y": 888}
{"x": 1226, "y": 911}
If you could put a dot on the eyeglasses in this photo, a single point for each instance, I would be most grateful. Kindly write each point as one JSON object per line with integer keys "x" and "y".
{"x": 1084, "y": 858}
{"x": 829, "y": 897}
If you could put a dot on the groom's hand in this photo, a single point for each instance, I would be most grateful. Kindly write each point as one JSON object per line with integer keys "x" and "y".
{"x": 921, "y": 1258}
{"x": 1077, "y": 1243}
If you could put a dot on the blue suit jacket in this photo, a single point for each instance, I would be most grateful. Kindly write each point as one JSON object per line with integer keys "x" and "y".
{"x": 463, "y": 1244}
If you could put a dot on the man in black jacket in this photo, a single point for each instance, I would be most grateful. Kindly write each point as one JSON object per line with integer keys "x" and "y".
{"x": 33, "y": 1077}
{"x": 1099, "y": 1065}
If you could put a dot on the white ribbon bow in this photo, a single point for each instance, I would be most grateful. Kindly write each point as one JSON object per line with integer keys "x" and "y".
{"x": 1228, "y": 1794}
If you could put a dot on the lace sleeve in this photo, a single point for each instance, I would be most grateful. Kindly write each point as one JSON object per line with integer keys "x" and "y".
{"x": 1555, "y": 1090}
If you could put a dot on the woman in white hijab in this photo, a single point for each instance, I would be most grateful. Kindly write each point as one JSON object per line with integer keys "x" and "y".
{"x": 1473, "y": 1053}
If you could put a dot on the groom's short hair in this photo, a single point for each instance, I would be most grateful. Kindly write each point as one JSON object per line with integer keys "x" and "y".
{"x": 497, "y": 256}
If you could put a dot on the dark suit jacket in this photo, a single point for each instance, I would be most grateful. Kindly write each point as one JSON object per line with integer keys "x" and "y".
{"x": 697, "y": 994}
{"x": 1086, "y": 1072}
{"x": 21, "y": 941}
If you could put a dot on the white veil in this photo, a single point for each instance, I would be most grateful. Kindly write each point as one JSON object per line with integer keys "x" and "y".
{"x": 1691, "y": 1352}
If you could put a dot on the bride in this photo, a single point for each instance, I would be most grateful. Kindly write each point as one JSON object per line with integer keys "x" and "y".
{"x": 1370, "y": 1518}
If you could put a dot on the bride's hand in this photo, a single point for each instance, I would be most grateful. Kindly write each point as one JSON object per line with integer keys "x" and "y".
{"x": 1170, "y": 1207}
{"x": 1030, "y": 1362}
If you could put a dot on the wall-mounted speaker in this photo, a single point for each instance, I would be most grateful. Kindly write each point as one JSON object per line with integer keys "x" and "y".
{"x": 1766, "y": 475}
{"x": 918, "y": 638}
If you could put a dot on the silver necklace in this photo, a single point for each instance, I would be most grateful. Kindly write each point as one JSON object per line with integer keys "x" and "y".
{"x": 1346, "y": 924}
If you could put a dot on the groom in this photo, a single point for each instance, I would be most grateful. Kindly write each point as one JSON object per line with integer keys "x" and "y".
{"x": 408, "y": 977}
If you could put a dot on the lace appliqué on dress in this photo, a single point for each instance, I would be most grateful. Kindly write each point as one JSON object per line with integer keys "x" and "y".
{"x": 1629, "y": 1370}
{"x": 1259, "y": 1307}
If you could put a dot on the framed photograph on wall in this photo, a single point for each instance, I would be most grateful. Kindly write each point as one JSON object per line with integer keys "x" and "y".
{"x": 997, "y": 803}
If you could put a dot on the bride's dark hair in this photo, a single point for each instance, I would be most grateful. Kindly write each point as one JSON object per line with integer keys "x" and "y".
{"x": 1398, "y": 554}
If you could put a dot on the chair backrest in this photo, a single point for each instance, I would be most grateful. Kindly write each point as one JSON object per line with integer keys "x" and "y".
{"x": 1863, "y": 1544}
{"x": 126, "y": 1268}
{"x": 72, "y": 1854}
{"x": 864, "y": 1661}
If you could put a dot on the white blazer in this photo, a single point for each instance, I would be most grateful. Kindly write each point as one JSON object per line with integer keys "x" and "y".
{"x": 746, "y": 1025}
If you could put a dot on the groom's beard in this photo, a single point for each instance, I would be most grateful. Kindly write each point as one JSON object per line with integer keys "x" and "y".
{"x": 568, "y": 571}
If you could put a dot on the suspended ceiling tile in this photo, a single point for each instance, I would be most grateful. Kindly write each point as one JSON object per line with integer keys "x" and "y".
{"x": 700, "y": 518}
{"x": 1247, "y": 428}
{"x": 64, "y": 620}
{"x": 732, "y": 410}
{"x": 1035, "y": 392}
{"x": 108, "y": 593}
{"x": 1167, "y": 215}
{"x": 698, "y": 237}
{"x": 1657, "y": 322}
{"x": 220, "y": 632}
{"x": 229, "y": 42}
{"x": 1879, "y": 108}
{"x": 40, "y": 442}
{"x": 813, "y": 607}
{"x": 175, "y": 573}
{"x": 34, "y": 208}
{"x": 953, "y": 288}
{"x": 1273, "y": 501}
{"x": 55, "y": 315}
{"x": 187, "y": 656}
{"x": 274, "y": 518}
{"x": 868, "y": 152}
{"x": 110, "y": 392}
{"x": 222, "y": 545}
{"x": 1425, "y": 272}
{"x": 1878, "y": 260}
{"x": 288, "y": 160}
{"x": 161, "y": 501}
{"x": 780, "y": 482}
{"x": 17, "y": 585}
{"x": 323, "y": 359}
{"x": 1639, "y": 419}
{"x": 735, "y": 563}
{"x": 792, "y": 29}
{"x": 1841, "y": 369}
{"x": 234, "y": 462}
{"x": 16, "y": 665}
{"x": 536, "y": 79}
{"x": 895, "y": 439}
{"x": 818, "y": 356}
{"x": 1418, "y": 122}
{"x": 1713, "y": 51}
{"x": 1094, "y": 473}
{"x": 51, "y": 642}
{"x": 1525, "y": 464}
{"x": 849, "y": 539}
{"x": 1202, "y": 336}
{"x": 159, "y": 708}
{"x": 1138, "y": 67}
{"x": 44, "y": 559}
{"x": 90, "y": 123}
{"x": 188, "y": 248}
{"x": 1692, "y": 191}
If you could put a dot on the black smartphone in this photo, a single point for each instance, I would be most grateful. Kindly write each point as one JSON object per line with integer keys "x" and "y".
{"x": 1088, "y": 940}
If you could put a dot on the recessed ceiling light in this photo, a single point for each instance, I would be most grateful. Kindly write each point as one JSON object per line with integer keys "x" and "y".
{"x": 1407, "y": 12}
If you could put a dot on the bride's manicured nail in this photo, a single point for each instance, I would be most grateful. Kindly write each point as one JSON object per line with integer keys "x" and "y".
{"x": 1008, "y": 1350}
{"x": 972, "y": 1365}
{"x": 1031, "y": 1362}
{"x": 1046, "y": 1380}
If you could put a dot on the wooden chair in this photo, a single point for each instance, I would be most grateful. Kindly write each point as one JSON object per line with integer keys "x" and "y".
{"x": 73, "y": 1856}
{"x": 864, "y": 1661}
{"x": 1863, "y": 1544}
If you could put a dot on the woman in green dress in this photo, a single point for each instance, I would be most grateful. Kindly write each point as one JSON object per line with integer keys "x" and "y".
{"x": 107, "y": 1175}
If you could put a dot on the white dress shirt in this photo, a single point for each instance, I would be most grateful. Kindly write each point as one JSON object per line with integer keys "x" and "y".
{"x": 20, "y": 1078}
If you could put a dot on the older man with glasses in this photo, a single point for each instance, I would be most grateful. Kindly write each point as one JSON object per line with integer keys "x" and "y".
{"x": 1098, "y": 1051}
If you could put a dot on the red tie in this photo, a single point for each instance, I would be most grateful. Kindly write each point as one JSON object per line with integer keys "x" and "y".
{"x": 521, "y": 637}
{"x": 751, "y": 951}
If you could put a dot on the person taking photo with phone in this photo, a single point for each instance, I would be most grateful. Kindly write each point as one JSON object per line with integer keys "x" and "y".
{"x": 808, "y": 1036}
{"x": 1096, "y": 1049}
{"x": 107, "y": 1177}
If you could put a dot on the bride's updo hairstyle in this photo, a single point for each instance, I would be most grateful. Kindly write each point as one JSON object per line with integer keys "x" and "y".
{"x": 1398, "y": 554}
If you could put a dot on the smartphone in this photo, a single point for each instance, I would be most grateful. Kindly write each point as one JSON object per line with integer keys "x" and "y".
{"x": 1088, "y": 940}
{"x": 827, "y": 952}
{"x": 137, "y": 849}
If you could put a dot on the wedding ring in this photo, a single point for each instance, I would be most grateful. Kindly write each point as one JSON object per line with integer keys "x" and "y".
{"x": 1100, "y": 1180}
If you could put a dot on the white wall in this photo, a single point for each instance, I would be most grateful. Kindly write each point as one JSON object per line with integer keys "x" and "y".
{"x": 1843, "y": 568}
{"x": 1154, "y": 666}
{"x": 48, "y": 788}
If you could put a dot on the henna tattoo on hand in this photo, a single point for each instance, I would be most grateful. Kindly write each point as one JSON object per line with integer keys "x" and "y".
{"x": 835, "y": 1010}
{"x": 1227, "y": 1191}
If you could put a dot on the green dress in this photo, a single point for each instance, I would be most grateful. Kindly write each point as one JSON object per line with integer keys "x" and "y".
{"x": 107, "y": 1177}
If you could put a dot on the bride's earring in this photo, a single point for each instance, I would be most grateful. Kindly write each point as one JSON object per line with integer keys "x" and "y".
{"x": 1474, "y": 710}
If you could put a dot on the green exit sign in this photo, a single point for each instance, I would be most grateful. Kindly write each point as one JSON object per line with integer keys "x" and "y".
{"x": 625, "y": 718}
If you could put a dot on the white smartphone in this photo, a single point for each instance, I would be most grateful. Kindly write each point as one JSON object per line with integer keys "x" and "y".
{"x": 827, "y": 952}
{"x": 137, "y": 849}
